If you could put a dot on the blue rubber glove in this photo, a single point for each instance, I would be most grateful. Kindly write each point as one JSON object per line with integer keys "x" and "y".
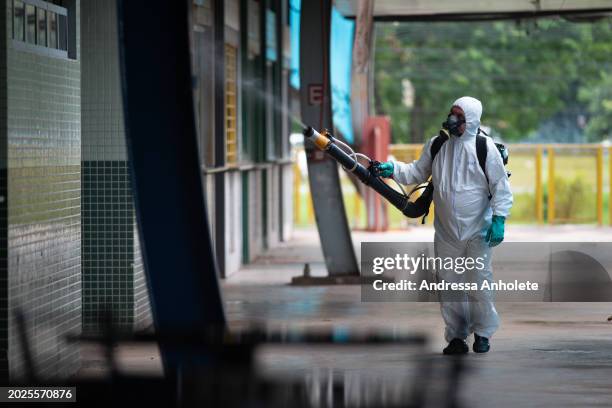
{"x": 495, "y": 234}
{"x": 385, "y": 169}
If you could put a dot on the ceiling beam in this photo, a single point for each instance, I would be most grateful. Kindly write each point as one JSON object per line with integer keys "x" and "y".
{"x": 577, "y": 14}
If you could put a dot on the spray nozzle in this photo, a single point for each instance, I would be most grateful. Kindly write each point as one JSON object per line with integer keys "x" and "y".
{"x": 317, "y": 138}
{"x": 308, "y": 131}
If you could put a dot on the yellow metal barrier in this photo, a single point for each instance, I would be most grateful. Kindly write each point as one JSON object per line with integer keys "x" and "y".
{"x": 309, "y": 208}
{"x": 609, "y": 184}
{"x": 297, "y": 196}
{"x": 356, "y": 209}
{"x": 406, "y": 152}
{"x": 552, "y": 183}
{"x": 576, "y": 183}
{"x": 539, "y": 191}
{"x": 540, "y": 169}
{"x": 600, "y": 185}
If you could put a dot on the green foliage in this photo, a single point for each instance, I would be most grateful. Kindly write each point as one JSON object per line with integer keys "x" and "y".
{"x": 524, "y": 73}
{"x": 598, "y": 99}
{"x": 574, "y": 200}
{"x": 523, "y": 209}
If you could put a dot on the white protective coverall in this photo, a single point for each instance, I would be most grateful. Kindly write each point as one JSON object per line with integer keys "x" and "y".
{"x": 463, "y": 214}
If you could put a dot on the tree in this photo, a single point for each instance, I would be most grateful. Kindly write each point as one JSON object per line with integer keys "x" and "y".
{"x": 525, "y": 74}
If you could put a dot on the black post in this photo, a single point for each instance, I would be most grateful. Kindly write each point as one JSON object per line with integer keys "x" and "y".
{"x": 219, "y": 131}
{"x": 163, "y": 154}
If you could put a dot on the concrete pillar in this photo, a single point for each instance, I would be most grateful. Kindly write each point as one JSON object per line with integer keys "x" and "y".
{"x": 323, "y": 176}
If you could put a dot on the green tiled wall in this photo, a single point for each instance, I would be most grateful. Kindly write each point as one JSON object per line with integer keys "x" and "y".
{"x": 108, "y": 245}
{"x": 41, "y": 158}
{"x": 4, "y": 331}
{"x": 113, "y": 275}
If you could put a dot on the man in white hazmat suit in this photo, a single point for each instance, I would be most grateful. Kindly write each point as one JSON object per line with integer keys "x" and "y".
{"x": 470, "y": 210}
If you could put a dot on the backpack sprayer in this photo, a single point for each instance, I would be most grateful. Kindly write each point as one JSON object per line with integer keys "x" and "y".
{"x": 368, "y": 176}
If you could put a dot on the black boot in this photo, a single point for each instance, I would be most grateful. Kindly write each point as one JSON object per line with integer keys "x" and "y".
{"x": 456, "y": 346}
{"x": 481, "y": 344}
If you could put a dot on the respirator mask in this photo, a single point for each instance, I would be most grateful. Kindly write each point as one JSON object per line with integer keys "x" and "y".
{"x": 452, "y": 124}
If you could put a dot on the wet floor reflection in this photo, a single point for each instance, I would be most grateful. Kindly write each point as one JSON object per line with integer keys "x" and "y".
{"x": 368, "y": 376}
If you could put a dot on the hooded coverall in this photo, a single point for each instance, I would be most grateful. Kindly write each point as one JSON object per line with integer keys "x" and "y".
{"x": 463, "y": 214}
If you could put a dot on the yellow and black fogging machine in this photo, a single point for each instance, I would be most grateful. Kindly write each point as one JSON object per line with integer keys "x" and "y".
{"x": 369, "y": 175}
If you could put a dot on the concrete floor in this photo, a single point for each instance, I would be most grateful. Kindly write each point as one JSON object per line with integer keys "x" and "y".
{"x": 544, "y": 355}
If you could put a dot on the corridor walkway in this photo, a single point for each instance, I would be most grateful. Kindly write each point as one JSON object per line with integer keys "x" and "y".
{"x": 545, "y": 354}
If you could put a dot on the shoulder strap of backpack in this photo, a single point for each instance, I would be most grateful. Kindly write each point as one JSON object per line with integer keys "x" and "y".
{"x": 481, "y": 152}
{"x": 433, "y": 150}
{"x": 437, "y": 144}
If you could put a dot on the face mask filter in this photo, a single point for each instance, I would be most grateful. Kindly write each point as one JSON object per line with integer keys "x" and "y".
{"x": 452, "y": 124}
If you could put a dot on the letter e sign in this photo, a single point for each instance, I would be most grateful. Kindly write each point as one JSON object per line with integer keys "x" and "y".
{"x": 315, "y": 94}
